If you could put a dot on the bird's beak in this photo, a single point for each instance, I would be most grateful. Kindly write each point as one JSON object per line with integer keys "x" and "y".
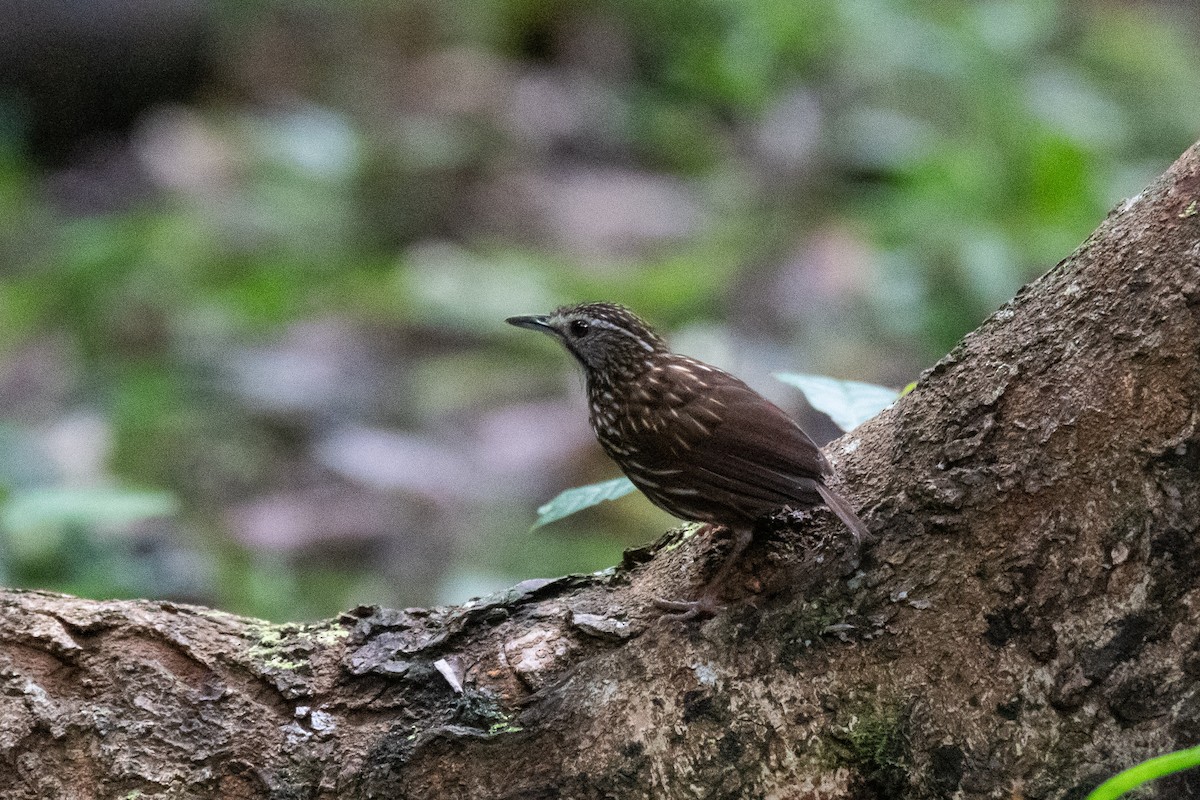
{"x": 539, "y": 322}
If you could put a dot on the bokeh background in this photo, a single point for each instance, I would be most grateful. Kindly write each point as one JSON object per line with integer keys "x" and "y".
{"x": 255, "y": 256}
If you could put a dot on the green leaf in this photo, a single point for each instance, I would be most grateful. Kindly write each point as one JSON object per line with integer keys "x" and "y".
{"x": 1145, "y": 772}
{"x": 848, "y": 403}
{"x": 581, "y": 497}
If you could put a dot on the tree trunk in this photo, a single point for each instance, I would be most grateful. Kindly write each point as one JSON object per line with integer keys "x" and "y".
{"x": 1025, "y": 624}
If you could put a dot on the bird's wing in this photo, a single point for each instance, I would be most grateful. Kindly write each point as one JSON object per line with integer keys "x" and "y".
{"x": 715, "y": 434}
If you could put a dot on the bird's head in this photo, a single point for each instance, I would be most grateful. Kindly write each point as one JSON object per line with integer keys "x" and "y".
{"x": 605, "y": 338}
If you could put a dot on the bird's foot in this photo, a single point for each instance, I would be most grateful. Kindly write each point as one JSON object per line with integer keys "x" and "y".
{"x": 702, "y": 607}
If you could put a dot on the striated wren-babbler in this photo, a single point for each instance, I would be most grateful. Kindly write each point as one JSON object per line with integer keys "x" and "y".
{"x": 699, "y": 443}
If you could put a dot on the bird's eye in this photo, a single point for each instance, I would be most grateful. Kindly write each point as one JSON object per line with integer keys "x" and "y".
{"x": 578, "y": 328}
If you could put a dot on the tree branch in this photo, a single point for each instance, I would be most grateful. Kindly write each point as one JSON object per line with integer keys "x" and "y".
{"x": 1026, "y": 624}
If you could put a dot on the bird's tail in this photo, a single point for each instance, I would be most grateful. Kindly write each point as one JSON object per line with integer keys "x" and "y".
{"x": 845, "y": 513}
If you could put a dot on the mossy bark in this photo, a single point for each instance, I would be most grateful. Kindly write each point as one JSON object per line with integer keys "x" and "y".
{"x": 1025, "y": 624}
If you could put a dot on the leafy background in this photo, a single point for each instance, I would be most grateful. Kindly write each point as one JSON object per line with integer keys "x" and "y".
{"x": 254, "y": 256}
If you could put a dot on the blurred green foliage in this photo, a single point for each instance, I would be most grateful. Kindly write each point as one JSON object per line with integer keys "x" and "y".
{"x": 968, "y": 146}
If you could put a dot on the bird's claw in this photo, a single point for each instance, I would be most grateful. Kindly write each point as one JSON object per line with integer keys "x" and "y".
{"x": 683, "y": 610}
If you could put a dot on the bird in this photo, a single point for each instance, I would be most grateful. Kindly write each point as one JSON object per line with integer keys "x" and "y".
{"x": 697, "y": 441}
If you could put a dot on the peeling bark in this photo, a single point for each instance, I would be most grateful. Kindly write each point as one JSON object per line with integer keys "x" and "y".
{"x": 1026, "y": 624}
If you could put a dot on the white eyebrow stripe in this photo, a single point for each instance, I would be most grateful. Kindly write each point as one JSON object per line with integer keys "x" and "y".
{"x": 603, "y": 323}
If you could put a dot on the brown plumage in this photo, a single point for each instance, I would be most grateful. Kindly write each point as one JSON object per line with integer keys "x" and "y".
{"x": 698, "y": 442}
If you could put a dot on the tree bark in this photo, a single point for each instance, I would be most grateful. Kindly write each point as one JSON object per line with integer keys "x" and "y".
{"x": 1025, "y": 624}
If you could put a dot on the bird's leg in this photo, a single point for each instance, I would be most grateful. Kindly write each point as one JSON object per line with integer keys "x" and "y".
{"x": 708, "y": 602}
